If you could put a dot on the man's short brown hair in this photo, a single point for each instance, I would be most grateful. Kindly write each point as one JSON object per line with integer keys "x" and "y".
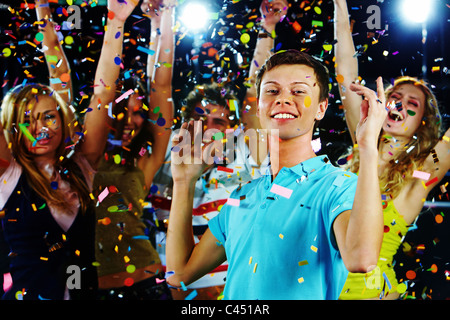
{"x": 296, "y": 57}
{"x": 212, "y": 93}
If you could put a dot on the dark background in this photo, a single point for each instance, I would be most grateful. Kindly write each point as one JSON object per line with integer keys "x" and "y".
{"x": 426, "y": 245}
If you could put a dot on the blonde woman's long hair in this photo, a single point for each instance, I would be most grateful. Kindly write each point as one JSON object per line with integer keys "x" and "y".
{"x": 17, "y": 103}
{"x": 414, "y": 153}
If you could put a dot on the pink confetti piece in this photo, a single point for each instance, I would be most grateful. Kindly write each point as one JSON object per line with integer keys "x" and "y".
{"x": 125, "y": 95}
{"x": 142, "y": 152}
{"x": 421, "y": 175}
{"x": 103, "y": 195}
{"x": 281, "y": 191}
{"x": 233, "y": 202}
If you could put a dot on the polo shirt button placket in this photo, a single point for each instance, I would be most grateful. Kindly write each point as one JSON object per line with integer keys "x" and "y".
{"x": 266, "y": 186}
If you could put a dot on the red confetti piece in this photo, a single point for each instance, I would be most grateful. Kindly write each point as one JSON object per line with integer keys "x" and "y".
{"x": 435, "y": 179}
{"x": 225, "y": 169}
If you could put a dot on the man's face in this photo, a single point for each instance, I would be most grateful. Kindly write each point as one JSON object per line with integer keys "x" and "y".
{"x": 214, "y": 116}
{"x": 289, "y": 100}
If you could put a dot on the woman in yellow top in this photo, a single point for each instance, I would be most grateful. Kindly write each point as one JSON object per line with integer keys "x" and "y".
{"x": 412, "y": 159}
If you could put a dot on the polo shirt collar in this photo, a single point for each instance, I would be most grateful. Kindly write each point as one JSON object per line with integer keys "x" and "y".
{"x": 308, "y": 166}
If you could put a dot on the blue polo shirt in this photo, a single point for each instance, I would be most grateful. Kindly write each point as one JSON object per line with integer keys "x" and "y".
{"x": 278, "y": 235}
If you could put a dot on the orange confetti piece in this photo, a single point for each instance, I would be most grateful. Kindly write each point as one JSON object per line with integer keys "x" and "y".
{"x": 296, "y": 26}
{"x": 65, "y": 77}
{"x": 340, "y": 78}
{"x": 410, "y": 274}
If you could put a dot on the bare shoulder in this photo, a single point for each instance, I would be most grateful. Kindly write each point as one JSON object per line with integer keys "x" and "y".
{"x": 410, "y": 201}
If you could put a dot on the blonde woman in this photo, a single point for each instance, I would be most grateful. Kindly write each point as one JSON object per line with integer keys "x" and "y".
{"x": 412, "y": 158}
{"x": 48, "y": 164}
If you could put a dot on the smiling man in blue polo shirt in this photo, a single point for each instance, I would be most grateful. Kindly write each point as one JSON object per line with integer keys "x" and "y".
{"x": 296, "y": 232}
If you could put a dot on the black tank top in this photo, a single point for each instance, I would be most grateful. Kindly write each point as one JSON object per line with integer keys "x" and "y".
{"x": 41, "y": 251}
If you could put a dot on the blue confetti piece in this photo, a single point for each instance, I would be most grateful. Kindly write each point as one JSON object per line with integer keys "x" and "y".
{"x": 191, "y": 295}
{"x": 199, "y": 110}
{"x": 141, "y": 238}
{"x": 146, "y": 50}
{"x": 387, "y": 281}
{"x": 117, "y": 61}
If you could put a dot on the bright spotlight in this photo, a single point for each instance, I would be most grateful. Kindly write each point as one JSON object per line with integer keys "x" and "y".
{"x": 416, "y": 10}
{"x": 194, "y": 16}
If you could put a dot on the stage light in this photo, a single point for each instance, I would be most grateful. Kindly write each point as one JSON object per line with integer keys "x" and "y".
{"x": 416, "y": 10}
{"x": 194, "y": 16}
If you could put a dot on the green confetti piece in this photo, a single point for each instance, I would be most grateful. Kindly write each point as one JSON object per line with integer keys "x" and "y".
{"x": 317, "y": 23}
{"x": 218, "y": 136}
{"x": 23, "y": 128}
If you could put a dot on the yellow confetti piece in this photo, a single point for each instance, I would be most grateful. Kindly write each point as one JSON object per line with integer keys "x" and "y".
{"x": 6, "y": 52}
{"x": 301, "y": 280}
{"x": 77, "y": 252}
{"x": 327, "y": 47}
{"x": 68, "y": 40}
{"x": 250, "y": 260}
{"x": 254, "y": 268}
{"x": 245, "y": 38}
{"x": 435, "y": 69}
{"x": 131, "y": 268}
{"x": 401, "y": 288}
{"x": 31, "y": 44}
{"x": 307, "y": 101}
{"x": 313, "y": 248}
{"x": 281, "y": 236}
{"x": 34, "y": 207}
{"x": 302, "y": 263}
